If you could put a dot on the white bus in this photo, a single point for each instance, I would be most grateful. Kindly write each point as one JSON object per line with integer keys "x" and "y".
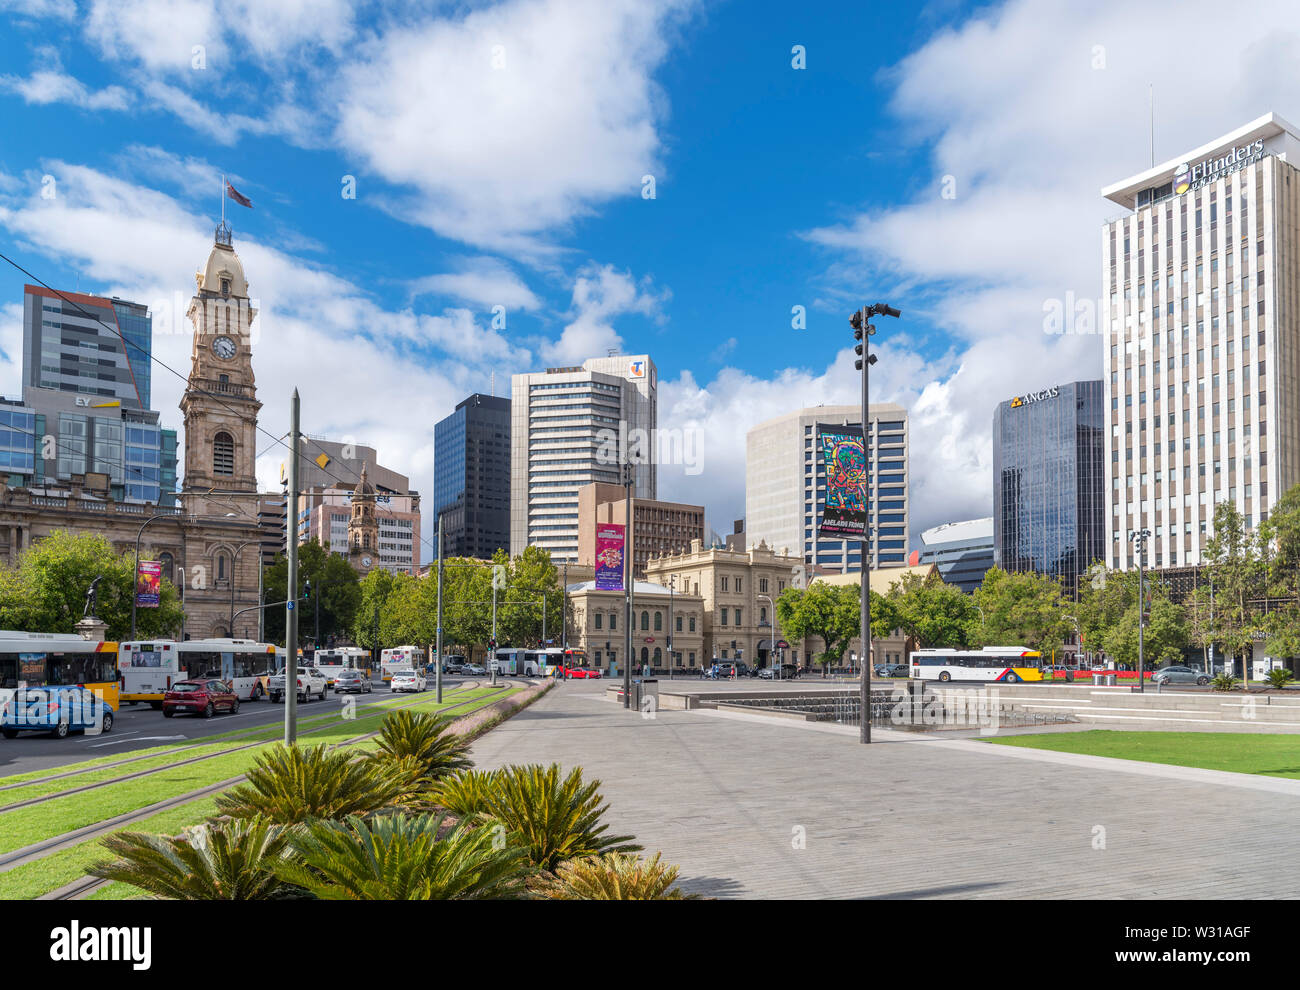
{"x": 150, "y": 667}
{"x": 518, "y": 662}
{"x": 339, "y": 658}
{"x": 1005, "y": 664}
{"x": 399, "y": 657}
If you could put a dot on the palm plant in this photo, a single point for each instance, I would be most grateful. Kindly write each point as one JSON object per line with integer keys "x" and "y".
{"x": 1279, "y": 677}
{"x": 553, "y": 819}
{"x": 229, "y": 861}
{"x": 401, "y": 858}
{"x": 465, "y": 794}
{"x": 296, "y": 784}
{"x": 1224, "y": 682}
{"x": 612, "y": 877}
{"x": 425, "y": 739}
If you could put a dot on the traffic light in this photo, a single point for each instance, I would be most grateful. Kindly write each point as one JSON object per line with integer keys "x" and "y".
{"x": 306, "y": 590}
{"x": 862, "y": 330}
{"x": 492, "y": 643}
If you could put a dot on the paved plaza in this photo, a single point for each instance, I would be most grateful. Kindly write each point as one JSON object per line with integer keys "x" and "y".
{"x": 756, "y": 807}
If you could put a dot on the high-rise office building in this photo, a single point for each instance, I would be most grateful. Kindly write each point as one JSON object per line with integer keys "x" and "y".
{"x": 963, "y": 551}
{"x": 1049, "y": 496}
{"x": 471, "y": 477}
{"x": 1202, "y": 358}
{"x": 95, "y": 347}
{"x": 657, "y": 527}
{"x": 785, "y": 484}
{"x": 571, "y": 427}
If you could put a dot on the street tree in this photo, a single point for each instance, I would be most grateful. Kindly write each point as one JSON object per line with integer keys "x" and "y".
{"x": 333, "y": 581}
{"x": 1022, "y": 608}
{"x": 934, "y": 613}
{"x": 831, "y": 613}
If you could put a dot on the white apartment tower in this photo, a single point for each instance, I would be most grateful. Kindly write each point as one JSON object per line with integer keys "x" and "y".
{"x": 1201, "y": 329}
{"x": 569, "y": 427}
{"x": 785, "y": 482}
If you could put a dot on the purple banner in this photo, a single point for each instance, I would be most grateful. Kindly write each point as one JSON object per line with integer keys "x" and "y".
{"x": 148, "y": 584}
{"x": 609, "y": 557}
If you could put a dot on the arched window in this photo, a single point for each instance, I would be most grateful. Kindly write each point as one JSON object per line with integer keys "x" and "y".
{"x": 645, "y": 654}
{"x": 221, "y": 567}
{"x": 223, "y": 454}
{"x": 658, "y": 656}
{"x": 168, "y": 563}
{"x": 645, "y": 620}
{"x": 659, "y": 622}
{"x": 762, "y": 616}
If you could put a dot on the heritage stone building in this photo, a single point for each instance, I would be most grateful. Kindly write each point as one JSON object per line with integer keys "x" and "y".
{"x": 210, "y": 544}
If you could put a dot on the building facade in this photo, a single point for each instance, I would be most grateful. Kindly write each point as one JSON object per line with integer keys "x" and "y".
{"x": 331, "y": 517}
{"x": 1202, "y": 362}
{"x": 962, "y": 551}
{"x": 573, "y": 426}
{"x": 738, "y": 592}
{"x": 785, "y": 485}
{"x": 657, "y": 527}
{"x": 471, "y": 489}
{"x": 87, "y": 345}
{"x": 1049, "y": 495}
{"x": 662, "y": 617}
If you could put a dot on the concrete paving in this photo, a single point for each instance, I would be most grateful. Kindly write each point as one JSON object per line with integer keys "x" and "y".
{"x": 755, "y": 807}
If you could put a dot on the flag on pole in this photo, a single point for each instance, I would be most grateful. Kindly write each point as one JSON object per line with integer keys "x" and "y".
{"x": 238, "y": 197}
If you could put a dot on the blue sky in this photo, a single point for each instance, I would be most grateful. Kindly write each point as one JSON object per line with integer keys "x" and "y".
{"x": 498, "y": 151}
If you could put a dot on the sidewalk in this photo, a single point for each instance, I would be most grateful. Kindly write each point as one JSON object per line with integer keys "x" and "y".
{"x": 761, "y": 808}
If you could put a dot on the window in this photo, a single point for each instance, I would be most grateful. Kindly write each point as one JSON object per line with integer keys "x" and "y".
{"x": 737, "y": 616}
{"x": 692, "y": 624}
{"x": 613, "y": 620}
{"x": 645, "y": 621}
{"x": 599, "y": 619}
{"x": 722, "y": 612}
{"x": 659, "y": 622}
{"x": 223, "y": 454}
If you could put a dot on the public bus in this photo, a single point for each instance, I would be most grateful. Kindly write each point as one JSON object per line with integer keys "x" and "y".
{"x": 553, "y": 657}
{"x": 333, "y": 660}
{"x": 150, "y": 667}
{"x": 399, "y": 657}
{"x": 1004, "y": 664}
{"x": 40, "y": 661}
{"x": 516, "y": 661}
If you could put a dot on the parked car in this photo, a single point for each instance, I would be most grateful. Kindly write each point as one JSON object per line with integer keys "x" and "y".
{"x": 787, "y": 671}
{"x": 473, "y": 670}
{"x": 352, "y": 681}
{"x": 892, "y": 670}
{"x": 203, "y": 697}
{"x": 56, "y": 710}
{"x": 579, "y": 673}
{"x": 408, "y": 679}
{"x": 1177, "y": 674}
{"x": 310, "y": 681}
{"x": 1051, "y": 672}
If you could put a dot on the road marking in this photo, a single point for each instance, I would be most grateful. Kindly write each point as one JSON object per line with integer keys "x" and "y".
{"x": 141, "y": 739}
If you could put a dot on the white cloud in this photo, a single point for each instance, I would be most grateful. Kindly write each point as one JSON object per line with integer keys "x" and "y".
{"x": 47, "y": 86}
{"x": 485, "y": 281}
{"x": 601, "y": 294}
{"x": 513, "y": 120}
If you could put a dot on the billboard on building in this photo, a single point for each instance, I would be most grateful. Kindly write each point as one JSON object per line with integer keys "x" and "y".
{"x": 609, "y": 557}
{"x": 148, "y": 583}
{"x": 843, "y": 512}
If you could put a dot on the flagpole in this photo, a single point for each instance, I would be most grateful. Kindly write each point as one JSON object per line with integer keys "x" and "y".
{"x": 223, "y": 199}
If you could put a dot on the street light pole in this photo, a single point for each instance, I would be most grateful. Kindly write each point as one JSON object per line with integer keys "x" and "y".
{"x": 628, "y": 578}
{"x": 771, "y": 639}
{"x": 234, "y": 562}
{"x": 438, "y": 667}
{"x": 135, "y": 578}
{"x": 291, "y": 599}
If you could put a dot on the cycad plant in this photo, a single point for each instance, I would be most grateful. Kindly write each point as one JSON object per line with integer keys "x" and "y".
{"x": 465, "y": 794}
{"x": 293, "y": 784}
{"x": 231, "y": 860}
{"x": 1279, "y": 677}
{"x": 553, "y": 819}
{"x": 401, "y": 858}
{"x": 1224, "y": 682}
{"x": 612, "y": 877}
{"x": 424, "y": 738}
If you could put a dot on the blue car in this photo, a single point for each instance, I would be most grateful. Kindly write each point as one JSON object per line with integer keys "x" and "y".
{"x": 56, "y": 710}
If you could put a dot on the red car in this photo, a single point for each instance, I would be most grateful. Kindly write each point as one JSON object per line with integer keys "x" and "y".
{"x": 204, "y": 697}
{"x": 580, "y": 672}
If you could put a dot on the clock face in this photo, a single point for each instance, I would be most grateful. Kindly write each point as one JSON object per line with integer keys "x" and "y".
{"x": 366, "y": 561}
{"x": 224, "y": 348}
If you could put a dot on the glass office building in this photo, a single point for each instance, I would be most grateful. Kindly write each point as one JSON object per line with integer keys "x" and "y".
{"x": 963, "y": 551}
{"x": 471, "y": 471}
{"x": 1049, "y": 481}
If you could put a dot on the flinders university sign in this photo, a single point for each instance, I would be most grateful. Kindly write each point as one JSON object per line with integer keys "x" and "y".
{"x": 1193, "y": 175}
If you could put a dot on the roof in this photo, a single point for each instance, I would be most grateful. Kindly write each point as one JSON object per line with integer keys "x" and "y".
{"x": 1268, "y": 126}
{"x": 879, "y": 580}
{"x": 639, "y": 588}
{"x": 955, "y": 532}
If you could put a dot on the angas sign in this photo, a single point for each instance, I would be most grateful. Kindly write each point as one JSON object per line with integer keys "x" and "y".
{"x": 1191, "y": 175}
{"x": 1028, "y": 397}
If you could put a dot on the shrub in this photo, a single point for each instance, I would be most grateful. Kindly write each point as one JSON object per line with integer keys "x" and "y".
{"x": 553, "y": 819}
{"x": 424, "y": 739}
{"x": 1224, "y": 682}
{"x": 228, "y": 861}
{"x": 297, "y": 784}
{"x": 401, "y": 858}
{"x": 465, "y": 794}
{"x": 1279, "y": 677}
{"x": 612, "y": 877}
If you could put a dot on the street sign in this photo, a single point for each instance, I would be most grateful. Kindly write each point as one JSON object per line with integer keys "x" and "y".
{"x": 289, "y": 606}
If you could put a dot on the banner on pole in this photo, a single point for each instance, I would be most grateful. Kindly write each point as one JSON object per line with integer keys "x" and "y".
{"x": 148, "y": 584}
{"x": 609, "y": 557}
{"x": 843, "y": 513}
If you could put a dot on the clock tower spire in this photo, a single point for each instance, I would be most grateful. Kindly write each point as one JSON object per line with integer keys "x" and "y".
{"x": 220, "y": 402}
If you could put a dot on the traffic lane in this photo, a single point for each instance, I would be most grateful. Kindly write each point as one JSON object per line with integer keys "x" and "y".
{"x": 137, "y": 727}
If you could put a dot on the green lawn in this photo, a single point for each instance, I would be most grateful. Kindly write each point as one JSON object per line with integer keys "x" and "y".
{"x": 1240, "y": 752}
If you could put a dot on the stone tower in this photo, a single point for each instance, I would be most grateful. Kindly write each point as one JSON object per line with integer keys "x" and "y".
{"x": 363, "y": 526}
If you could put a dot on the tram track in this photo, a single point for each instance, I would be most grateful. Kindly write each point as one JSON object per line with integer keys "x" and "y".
{"x": 67, "y": 840}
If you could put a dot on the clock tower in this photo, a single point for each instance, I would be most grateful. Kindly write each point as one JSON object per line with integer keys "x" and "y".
{"x": 220, "y": 402}
{"x": 363, "y": 527}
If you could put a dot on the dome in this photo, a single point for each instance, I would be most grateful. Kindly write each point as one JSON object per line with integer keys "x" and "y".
{"x": 223, "y": 263}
